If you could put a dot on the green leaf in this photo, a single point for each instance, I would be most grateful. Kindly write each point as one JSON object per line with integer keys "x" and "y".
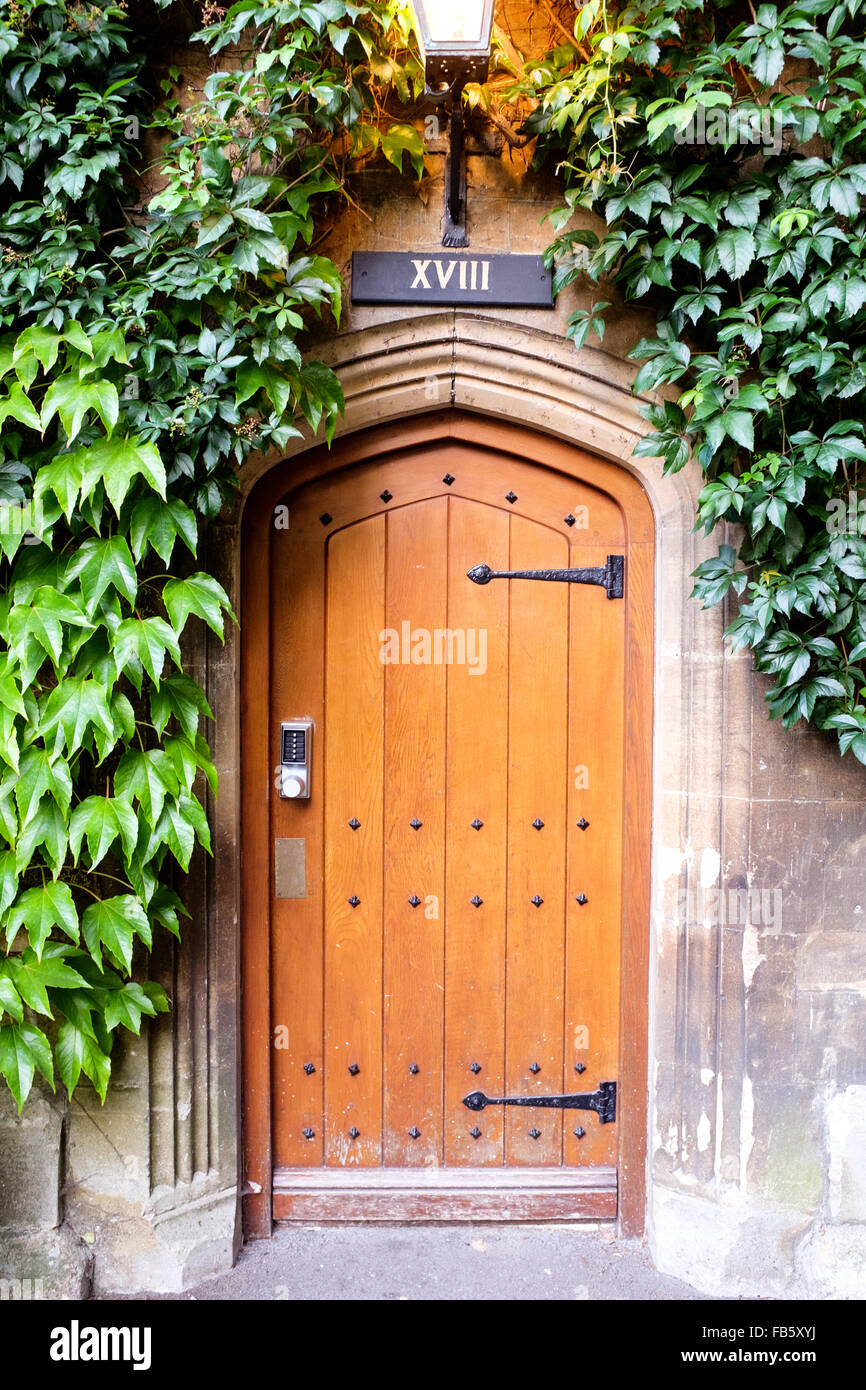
{"x": 17, "y": 1063}
{"x": 17, "y": 406}
{"x": 40, "y": 772}
{"x": 102, "y": 564}
{"x": 148, "y": 777}
{"x": 179, "y": 695}
{"x": 10, "y": 999}
{"x": 36, "y": 629}
{"x": 76, "y": 1053}
{"x": 252, "y": 378}
{"x": 71, "y": 398}
{"x": 111, "y": 924}
{"x": 75, "y": 710}
{"x": 62, "y": 479}
{"x": 200, "y": 594}
{"x": 175, "y": 829}
{"x": 48, "y": 828}
{"x": 102, "y": 819}
{"x": 126, "y": 1005}
{"x": 403, "y": 139}
{"x": 155, "y": 525}
{"x": 40, "y": 910}
{"x": 8, "y": 879}
{"x": 116, "y": 462}
{"x": 164, "y": 907}
{"x": 145, "y": 642}
{"x": 736, "y": 250}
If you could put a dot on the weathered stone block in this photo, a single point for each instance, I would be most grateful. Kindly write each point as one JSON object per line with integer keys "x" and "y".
{"x": 30, "y": 1163}
{"x": 46, "y": 1264}
{"x": 846, "y": 1140}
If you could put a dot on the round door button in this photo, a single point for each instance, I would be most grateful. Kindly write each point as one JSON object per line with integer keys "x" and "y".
{"x": 292, "y": 786}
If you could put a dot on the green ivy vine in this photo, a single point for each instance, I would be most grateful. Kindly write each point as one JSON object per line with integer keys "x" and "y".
{"x": 143, "y": 355}
{"x": 725, "y": 149}
{"x": 145, "y": 352}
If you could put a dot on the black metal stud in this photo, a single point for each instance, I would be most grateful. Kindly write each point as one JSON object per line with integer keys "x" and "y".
{"x": 308, "y": 1133}
{"x": 582, "y": 899}
{"x": 354, "y": 824}
{"x": 353, "y": 901}
{"x": 415, "y": 901}
{"x": 326, "y": 518}
{"x": 535, "y": 1068}
{"x": 535, "y": 1134}
{"x": 569, "y": 520}
{"x": 580, "y": 1068}
{"x": 354, "y": 1069}
{"x": 476, "y": 1067}
{"x": 475, "y": 1132}
{"x": 476, "y": 901}
{"x": 538, "y": 824}
{"x": 416, "y": 823}
{"x": 448, "y": 480}
{"x": 309, "y": 1068}
{"x": 354, "y": 1133}
{"x": 386, "y": 495}
{"x": 583, "y": 824}
{"x": 536, "y": 901}
{"x": 477, "y": 824}
{"x": 580, "y": 1132}
{"x": 414, "y": 1132}
{"x": 414, "y": 1068}
{"x": 511, "y": 497}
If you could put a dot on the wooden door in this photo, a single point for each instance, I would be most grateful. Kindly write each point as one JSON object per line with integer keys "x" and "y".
{"x": 451, "y": 921}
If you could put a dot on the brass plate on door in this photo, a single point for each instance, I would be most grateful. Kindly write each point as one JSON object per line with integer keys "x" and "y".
{"x": 290, "y": 868}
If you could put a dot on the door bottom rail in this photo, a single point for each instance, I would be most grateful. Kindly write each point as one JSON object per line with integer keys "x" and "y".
{"x": 445, "y": 1194}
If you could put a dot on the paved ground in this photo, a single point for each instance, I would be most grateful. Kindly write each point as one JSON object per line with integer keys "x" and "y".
{"x": 388, "y": 1263}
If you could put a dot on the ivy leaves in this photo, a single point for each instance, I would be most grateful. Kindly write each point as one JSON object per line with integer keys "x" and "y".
{"x": 754, "y": 268}
{"x": 142, "y": 359}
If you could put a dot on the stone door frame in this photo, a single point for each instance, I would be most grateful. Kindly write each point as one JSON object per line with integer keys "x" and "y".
{"x": 510, "y": 372}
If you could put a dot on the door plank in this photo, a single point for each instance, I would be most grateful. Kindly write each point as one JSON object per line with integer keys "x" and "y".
{"x": 414, "y": 988}
{"x": 477, "y": 788}
{"x": 297, "y": 619}
{"x": 537, "y": 751}
{"x": 354, "y": 700}
{"x": 593, "y": 941}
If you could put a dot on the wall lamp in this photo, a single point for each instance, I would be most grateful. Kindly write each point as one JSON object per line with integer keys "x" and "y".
{"x": 455, "y": 45}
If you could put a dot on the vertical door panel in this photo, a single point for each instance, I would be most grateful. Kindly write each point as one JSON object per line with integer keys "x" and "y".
{"x": 297, "y": 688}
{"x": 537, "y": 747}
{"x": 477, "y": 789}
{"x": 415, "y": 742}
{"x": 594, "y": 858}
{"x": 354, "y": 697}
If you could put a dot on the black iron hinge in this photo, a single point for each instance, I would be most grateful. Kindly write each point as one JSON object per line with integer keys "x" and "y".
{"x": 603, "y": 1101}
{"x": 609, "y": 575}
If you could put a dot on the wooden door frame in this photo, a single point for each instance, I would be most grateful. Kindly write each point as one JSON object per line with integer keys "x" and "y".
{"x": 380, "y": 443}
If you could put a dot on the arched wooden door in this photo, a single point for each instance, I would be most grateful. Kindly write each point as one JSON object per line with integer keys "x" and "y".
{"x": 441, "y": 920}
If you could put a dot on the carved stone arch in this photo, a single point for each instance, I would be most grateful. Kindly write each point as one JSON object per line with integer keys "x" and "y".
{"x": 506, "y": 372}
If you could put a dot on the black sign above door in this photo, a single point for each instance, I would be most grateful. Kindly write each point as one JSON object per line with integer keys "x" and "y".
{"x": 440, "y": 277}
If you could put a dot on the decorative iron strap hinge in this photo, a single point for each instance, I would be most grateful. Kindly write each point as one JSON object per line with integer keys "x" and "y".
{"x": 603, "y": 1101}
{"x": 609, "y": 575}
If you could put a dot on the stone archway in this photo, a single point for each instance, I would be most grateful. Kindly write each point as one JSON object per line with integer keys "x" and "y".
{"x": 187, "y": 1211}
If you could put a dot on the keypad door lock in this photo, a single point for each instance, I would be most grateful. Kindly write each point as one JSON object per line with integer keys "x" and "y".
{"x": 296, "y": 738}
